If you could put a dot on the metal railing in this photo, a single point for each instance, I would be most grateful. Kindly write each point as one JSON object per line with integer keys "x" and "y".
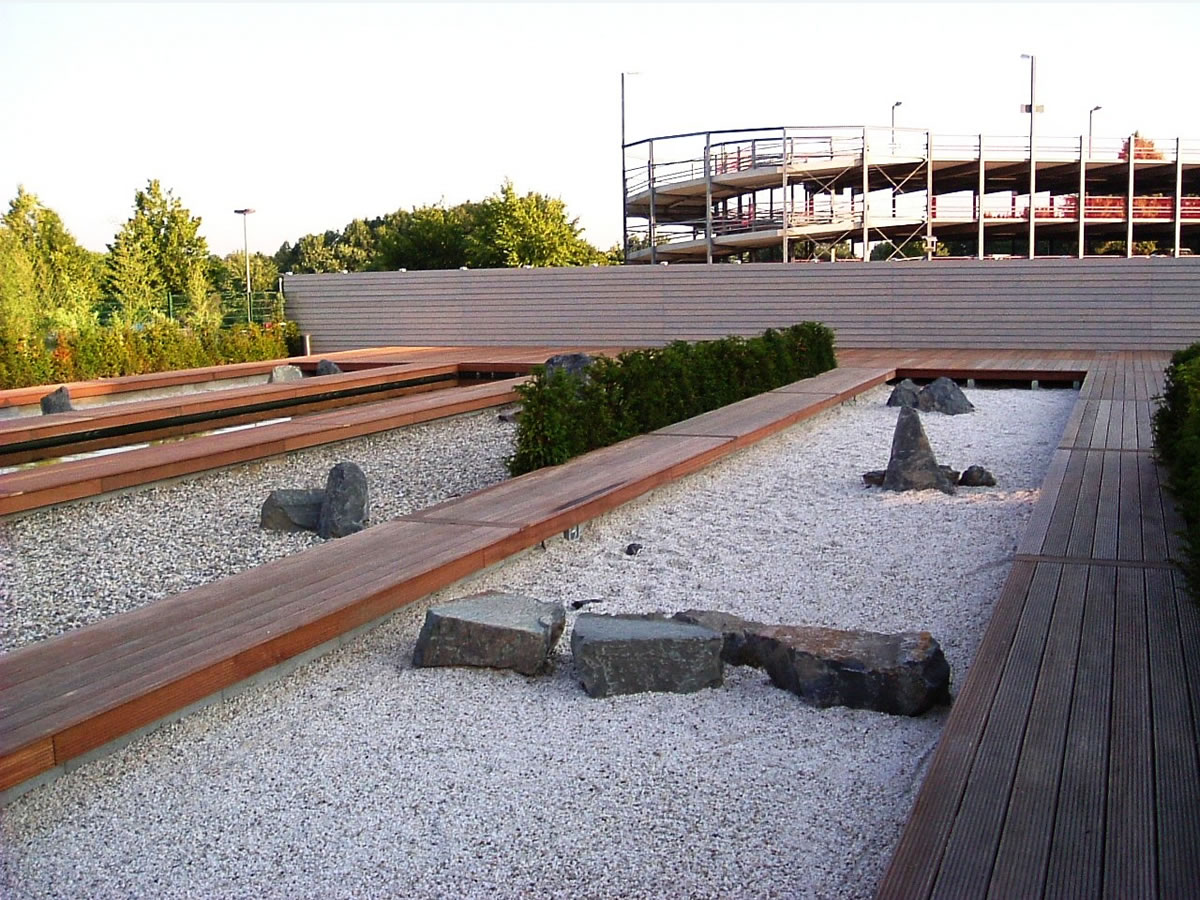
{"x": 260, "y": 308}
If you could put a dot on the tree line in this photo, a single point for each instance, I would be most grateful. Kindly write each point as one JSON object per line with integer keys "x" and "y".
{"x": 50, "y": 283}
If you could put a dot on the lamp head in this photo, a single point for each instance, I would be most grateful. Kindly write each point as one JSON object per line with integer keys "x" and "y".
{"x": 897, "y": 103}
{"x": 1095, "y": 108}
{"x": 243, "y": 212}
{"x": 1026, "y": 56}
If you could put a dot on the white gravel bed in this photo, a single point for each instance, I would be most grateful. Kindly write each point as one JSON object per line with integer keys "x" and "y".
{"x": 360, "y": 776}
{"x": 71, "y": 565}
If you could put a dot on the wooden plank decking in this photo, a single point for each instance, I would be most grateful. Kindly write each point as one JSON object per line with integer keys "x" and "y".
{"x": 1069, "y": 764}
{"x": 1069, "y": 761}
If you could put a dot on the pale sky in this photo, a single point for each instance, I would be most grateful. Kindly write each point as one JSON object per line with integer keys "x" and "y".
{"x": 315, "y": 114}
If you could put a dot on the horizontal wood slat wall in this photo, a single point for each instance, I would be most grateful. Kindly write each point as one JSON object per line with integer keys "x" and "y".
{"x": 1092, "y": 304}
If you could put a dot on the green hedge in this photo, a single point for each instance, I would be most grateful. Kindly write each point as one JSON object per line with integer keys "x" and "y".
{"x": 1177, "y": 440}
{"x": 642, "y": 390}
{"x": 161, "y": 346}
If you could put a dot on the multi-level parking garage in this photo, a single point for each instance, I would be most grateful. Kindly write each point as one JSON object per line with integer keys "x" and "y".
{"x": 783, "y": 192}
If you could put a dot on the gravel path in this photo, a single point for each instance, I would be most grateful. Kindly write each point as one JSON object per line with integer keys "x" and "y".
{"x": 71, "y": 565}
{"x": 359, "y": 776}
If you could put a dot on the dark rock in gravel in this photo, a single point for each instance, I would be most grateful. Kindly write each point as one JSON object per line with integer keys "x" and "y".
{"x": 574, "y": 364}
{"x": 493, "y": 630}
{"x": 901, "y": 674}
{"x": 875, "y": 477}
{"x": 289, "y": 509}
{"x": 328, "y": 367}
{"x": 281, "y": 374}
{"x": 912, "y": 466}
{"x": 347, "y": 505}
{"x": 977, "y": 476}
{"x": 633, "y": 549}
{"x": 510, "y": 415}
{"x": 944, "y": 396}
{"x": 904, "y": 394}
{"x": 630, "y": 654}
{"x": 57, "y": 401}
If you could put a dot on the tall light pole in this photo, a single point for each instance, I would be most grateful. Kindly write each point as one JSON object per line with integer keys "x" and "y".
{"x": 894, "y": 105}
{"x": 245, "y": 214}
{"x": 1032, "y": 109}
{"x": 1091, "y": 113}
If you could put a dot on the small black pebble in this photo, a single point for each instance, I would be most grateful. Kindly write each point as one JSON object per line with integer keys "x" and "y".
{"x": 633, "y": 549}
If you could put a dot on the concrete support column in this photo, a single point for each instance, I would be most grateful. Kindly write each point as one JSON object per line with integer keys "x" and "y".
{"x": 653, "y": 218}
{"x": 708, "y": 201}
{"x": 784, "y": 159}
{"x": 928, "y": 195}
{"x": 979, "y": 192}
{"x": 866, "y": 188}
{"x": 1178, "y": 194}
{"x": 1082, "y": 204}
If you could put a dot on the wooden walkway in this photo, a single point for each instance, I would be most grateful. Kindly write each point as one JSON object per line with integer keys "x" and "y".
{"x": 1068, "y": 765}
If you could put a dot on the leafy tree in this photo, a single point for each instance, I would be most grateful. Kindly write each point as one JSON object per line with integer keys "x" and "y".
{"x": 532, "y": 230}
{"x": 428, "y": 237}
{"x": 18, "y": 288}
{"x": 158, "y": 249}
{"x": 315, "y": 253}
{"x": 65, "y": 275}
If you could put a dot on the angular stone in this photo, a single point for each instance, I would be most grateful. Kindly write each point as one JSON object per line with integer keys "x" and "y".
{"x": 944, "y": 396}
{"x": 492, "y": 630}
{"x": 977, "y": 476}
{"x": 630, "y": 654}
{"x": 875, "y": 477}
{"x": 281, "y": 374}
{"x": 574, "y": 364}
{"x": 904, "y": 394}
{"x": 290, "y": 509}
{"x": 901, "y": 674}
{"x": 57, "y": 401}
{"x": 912, "y": 465}
{"x": 328, "y": 367}
{"x": 633, "y": 549}
{"x": 347, "y": 505}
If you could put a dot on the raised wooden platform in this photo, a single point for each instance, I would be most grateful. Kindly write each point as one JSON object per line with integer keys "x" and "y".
{"x": 1069, "y": 764}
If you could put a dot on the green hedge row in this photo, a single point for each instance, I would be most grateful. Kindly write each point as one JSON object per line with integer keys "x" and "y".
{"x": 642, "y": 390}
{"x": 1177, "y": 440}
{"x": 161, "y": 346}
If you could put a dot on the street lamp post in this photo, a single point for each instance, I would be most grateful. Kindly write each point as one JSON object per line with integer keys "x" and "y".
{"x": 894, "y": 105}
{"x": 1032, "y": 109}
{"x": 245, "y": 214}
{"x": 1091, "y": 113}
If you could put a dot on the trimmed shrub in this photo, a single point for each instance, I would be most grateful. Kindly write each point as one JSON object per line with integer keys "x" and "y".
{"x": 643, "y": 390}
{"x": 1177, "y": 442}
{"x": 159, "y": 346}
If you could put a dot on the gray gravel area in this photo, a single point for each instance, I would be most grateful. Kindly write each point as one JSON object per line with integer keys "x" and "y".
{"x": 74, "y": 564}
{"x": 360, "y": 776}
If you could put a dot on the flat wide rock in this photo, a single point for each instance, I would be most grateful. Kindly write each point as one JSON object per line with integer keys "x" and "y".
{"x": 281, "y": 374}
{"x": 912, "y": 465}
{"x": 290, "y": 509}
{"x": 631, "y": 654}
{"x": 902, "y": 674}
{"x": 491, "y": 630}
{"x": 977, "y": 476}
{"x": 328, "y": 367}
{"x": 57, "y": 401}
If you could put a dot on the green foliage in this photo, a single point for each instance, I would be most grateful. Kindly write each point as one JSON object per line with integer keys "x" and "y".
{"x": 505, "y": 230}
{"x": 46, "y": 279}
{"x": 125, "y": 349}
{"x": 1177, "y": 441}
{"x": 158, "y": 249}
{"x": 643, "y": 390}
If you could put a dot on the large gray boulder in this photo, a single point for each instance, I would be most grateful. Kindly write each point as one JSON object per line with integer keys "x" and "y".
{"x": 574, "y": 364}
{"x": 57, "y": 401}
{"x": 346, "y": 506}
{"x": 912, "y": 465}
{"x": 328, "y": 367}
{"x": 902, "y": 674}
{"x": 493, "y": 630}
{"x": 630, "y": 654}
{"x": 904, "y": 394}
{"x": 290, "y": 509}
{"x": 944, "y": 396}
{"x": 282, "y": 374}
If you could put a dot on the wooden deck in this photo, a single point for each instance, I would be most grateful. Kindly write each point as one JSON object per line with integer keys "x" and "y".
{"x": 1069, "y": 765}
